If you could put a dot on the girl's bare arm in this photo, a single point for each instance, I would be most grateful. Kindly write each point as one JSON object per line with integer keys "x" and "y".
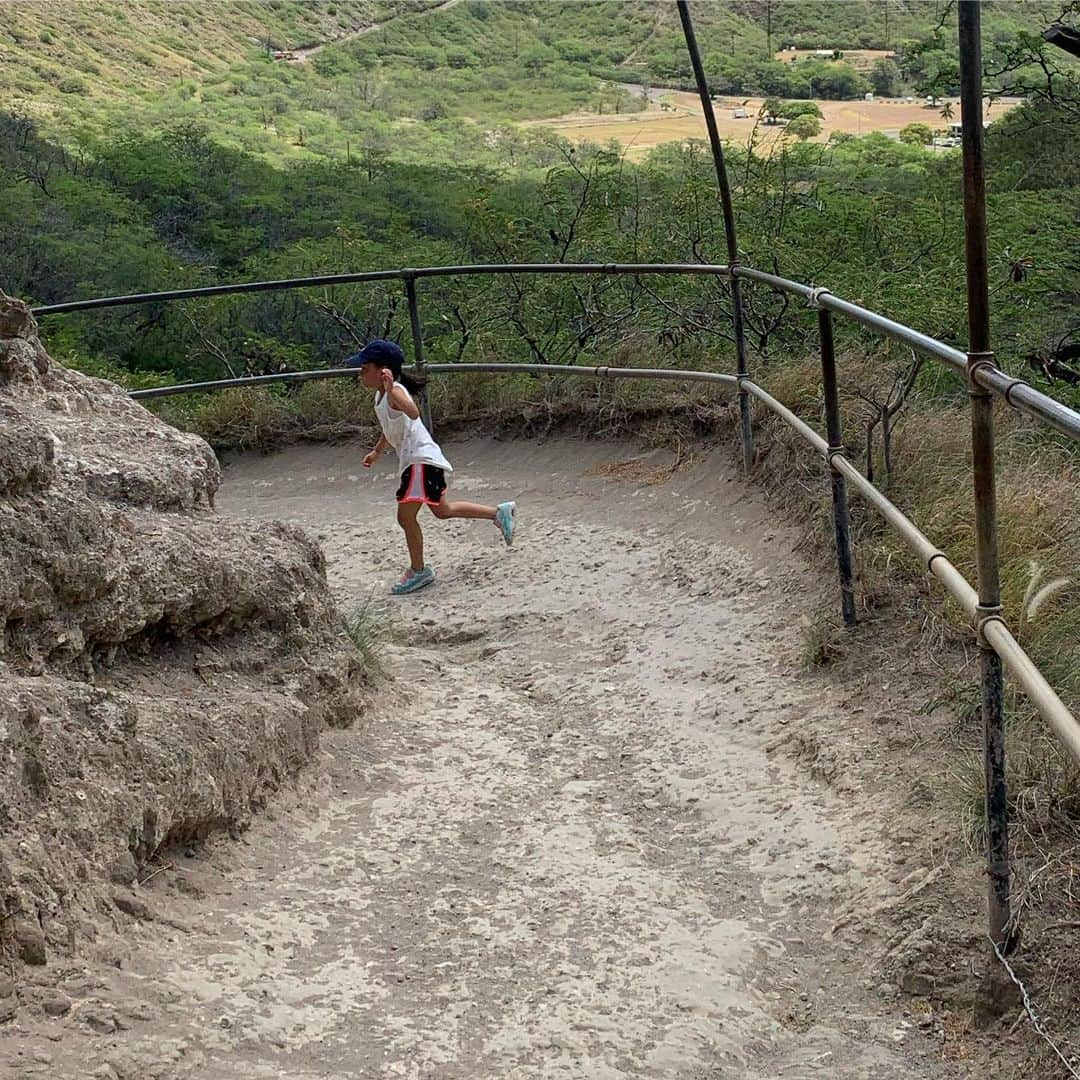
{"x": 381, "y": 446}
{"x": 402, "y": 402}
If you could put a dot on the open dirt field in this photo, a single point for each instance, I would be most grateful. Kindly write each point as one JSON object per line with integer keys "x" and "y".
{"x": 860, "y": 59}
{"x": 682, "y": 119}
{"x": 565, "y": 842}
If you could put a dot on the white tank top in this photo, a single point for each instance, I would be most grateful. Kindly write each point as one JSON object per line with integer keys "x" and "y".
{"x": 411, "y": 440}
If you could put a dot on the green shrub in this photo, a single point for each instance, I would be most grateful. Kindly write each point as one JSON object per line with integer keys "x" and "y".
{"x": 918, "y": 134}
{"x": 790, "y": 110}
{"x": 804, "y": 127}
{"x": 436, "y": 110}
{"x": 71, "y": 85}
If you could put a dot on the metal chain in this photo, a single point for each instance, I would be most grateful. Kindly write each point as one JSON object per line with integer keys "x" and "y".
{"x": 1032, "y": 1015}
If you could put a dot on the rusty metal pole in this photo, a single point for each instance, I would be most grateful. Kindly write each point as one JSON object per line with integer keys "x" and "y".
{"x": 841, "y": 520}
{"x": 982, "y": 452}
{"x": 745, "y": 417}
{"x": 418, "y": 344}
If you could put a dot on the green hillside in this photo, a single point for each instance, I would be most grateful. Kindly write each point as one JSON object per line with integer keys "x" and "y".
{"x": 422, "y": 80}
{"x": 388, "y": 66}
{"x": 55, "y": 53}
{"x": 879, "y": 24}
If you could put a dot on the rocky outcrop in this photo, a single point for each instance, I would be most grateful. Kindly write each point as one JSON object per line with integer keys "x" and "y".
{"x": 162, "y": 669}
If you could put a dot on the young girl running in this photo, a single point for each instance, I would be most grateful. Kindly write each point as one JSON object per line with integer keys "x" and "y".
{"x": 423, "y": 467}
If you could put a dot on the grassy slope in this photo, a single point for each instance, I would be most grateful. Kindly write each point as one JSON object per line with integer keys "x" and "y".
{"x": 412, "y": 87}
{"x": 821, "y": 24}
{"x": 138, "y": 47}
{"x": 79, "y": 68}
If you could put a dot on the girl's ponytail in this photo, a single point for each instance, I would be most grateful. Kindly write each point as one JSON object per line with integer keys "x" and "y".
{"x": 412, "y": 384}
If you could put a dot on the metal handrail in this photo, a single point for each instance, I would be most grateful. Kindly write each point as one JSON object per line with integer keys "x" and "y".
{"x": 403, "y": 274}
{"x": 938, "y": 565}
{"x": 1015, "y": 392}
{"x": 598, "y": 371}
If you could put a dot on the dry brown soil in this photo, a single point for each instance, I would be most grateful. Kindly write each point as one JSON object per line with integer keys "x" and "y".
{"x": 859, "y": 59}
{"x": 682, "y": 119}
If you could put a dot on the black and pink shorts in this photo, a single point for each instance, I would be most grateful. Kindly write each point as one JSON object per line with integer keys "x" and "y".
{"x": 422, "y": 484}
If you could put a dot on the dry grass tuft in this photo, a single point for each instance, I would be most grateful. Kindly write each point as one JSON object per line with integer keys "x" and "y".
{"x": 824, "y": 641}
{"x": 367, "y": 628}
{"x": 265, "y": 417}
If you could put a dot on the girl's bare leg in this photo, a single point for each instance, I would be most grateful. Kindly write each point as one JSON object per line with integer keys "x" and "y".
{"x": 445, "y": 509}
{"x": 407, "y": 518}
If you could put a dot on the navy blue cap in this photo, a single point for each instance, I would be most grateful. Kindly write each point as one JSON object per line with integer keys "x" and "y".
{"x": 386, "y": 354}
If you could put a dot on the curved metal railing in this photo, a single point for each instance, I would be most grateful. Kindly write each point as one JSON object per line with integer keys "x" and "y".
{"x": 1016, "y": 392}
{"x": 983, "y": 375}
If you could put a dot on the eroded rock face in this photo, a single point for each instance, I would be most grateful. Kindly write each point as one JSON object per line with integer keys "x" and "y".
{"x": 162, "y": 669}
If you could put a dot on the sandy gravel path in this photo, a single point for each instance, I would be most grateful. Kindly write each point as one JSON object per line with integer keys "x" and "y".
{"x": 561, "y": 846}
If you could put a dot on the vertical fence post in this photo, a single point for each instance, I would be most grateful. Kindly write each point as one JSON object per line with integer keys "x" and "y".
{"x": 841, "y": 521}
{"x": 982, "y": 450}
{"x": 746, "y": 430}
{"x": 418, "y": 343}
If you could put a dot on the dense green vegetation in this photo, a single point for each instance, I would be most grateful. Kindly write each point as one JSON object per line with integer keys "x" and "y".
{"x": 422, "y": 81}
{"x": 877, "y": 220}
{"x": 254, "y": 173}
{"x": 739, "y": 43}
{"x": 407, "y": 79}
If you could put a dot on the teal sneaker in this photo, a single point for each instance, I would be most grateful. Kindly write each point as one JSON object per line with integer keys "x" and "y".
{"x": 504, "y": 518}
{"x": 414, "y": 580}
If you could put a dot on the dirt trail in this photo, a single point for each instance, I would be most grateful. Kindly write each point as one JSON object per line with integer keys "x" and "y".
{"x": 300, "y": 55}
{"x": 561, "y": 846}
